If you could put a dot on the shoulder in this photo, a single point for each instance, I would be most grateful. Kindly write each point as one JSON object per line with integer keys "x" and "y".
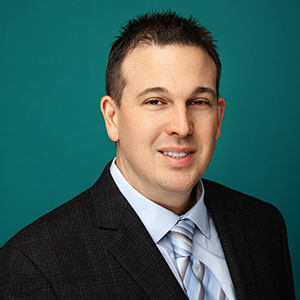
{"x": 52, "y": 224}
{"x": 252, "y": 218}
{"x": 30, "y": 258}
{"x": 230, "y": 196}
{"x": 220, "y": 197}
{"x": 69, "y": 219}
{"x": 255, "y": 232}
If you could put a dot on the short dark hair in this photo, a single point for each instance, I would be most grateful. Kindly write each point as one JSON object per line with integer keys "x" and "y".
{"x": 161, "y": 29}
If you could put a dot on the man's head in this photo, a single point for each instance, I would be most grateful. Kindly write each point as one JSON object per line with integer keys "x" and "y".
{"x": 168, "y": 122}
{"x": 159, "y": 29}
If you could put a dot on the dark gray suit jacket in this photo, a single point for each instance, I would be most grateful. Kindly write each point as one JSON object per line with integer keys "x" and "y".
{"x": 95, "y": 247}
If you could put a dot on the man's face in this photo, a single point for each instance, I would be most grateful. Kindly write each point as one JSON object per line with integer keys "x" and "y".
{"x": 168, "y": 122}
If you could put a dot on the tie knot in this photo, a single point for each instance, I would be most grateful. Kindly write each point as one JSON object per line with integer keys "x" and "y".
{"x": 181, "y": 238}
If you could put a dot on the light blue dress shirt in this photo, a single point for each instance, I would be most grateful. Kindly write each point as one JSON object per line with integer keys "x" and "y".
{"x": 159, "y": 221}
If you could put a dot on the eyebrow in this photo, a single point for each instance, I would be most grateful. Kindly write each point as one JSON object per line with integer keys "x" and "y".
{"x": 161, "y": 90}
{"x": 201, "y": 90}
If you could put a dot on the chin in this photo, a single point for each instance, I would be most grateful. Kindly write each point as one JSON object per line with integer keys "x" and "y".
{"x": 179, "y": 186}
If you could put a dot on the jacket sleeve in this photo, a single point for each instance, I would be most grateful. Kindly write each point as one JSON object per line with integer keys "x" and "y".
{"x": 20, "y": 278}
{"x": 289, "y": 284}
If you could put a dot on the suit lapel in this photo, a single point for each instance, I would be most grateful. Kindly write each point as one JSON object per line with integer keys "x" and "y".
{"x": 130, "y": 244}
{"x": 136, "y": 252}
{"x": 231, "y": 234}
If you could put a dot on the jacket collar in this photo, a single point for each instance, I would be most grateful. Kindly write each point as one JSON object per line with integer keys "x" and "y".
{"x": 129, "y": 242}
{"x": 227, "y": 219}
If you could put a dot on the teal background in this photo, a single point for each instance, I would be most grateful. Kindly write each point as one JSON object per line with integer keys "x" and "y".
{"x": 53, "y": 56}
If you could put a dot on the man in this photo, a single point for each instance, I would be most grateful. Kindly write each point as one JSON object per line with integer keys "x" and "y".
{"x": 123, "y": 237}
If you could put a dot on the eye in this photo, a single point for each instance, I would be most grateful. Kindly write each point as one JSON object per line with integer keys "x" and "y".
{"x": 200, "y": 102}
{"x": 154, "y": 102}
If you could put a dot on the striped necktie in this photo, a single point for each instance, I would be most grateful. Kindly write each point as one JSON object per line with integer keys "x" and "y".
{"x": 198, "y": 280}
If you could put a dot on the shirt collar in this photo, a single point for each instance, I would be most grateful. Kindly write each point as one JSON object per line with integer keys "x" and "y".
{"x": 198, "y": 213}
{"x": 157, "y": 219}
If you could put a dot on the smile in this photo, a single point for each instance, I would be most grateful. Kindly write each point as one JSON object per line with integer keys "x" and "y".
{"x": 177, "y": 155}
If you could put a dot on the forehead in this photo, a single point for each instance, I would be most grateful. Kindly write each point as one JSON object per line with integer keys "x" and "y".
{"x": 171, "y": 67}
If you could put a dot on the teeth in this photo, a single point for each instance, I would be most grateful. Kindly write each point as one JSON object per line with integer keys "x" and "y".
{"x": 177, "y": 155}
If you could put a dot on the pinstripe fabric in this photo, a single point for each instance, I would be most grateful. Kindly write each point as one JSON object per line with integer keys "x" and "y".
{"x": 198, "y": 280}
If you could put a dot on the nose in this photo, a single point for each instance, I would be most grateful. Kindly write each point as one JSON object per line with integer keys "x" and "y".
{"x": 180, "y": 122}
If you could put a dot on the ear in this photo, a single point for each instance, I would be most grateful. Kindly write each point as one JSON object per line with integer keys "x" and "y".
{"x": 221, "y": 111}
{"x": 109, "y": 112}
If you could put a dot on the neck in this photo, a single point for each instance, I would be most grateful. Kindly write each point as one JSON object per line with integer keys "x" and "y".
{"x": 176, "y": 202}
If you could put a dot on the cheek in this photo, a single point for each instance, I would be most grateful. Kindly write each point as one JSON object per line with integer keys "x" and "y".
{"x": 146, "y": 134}
{"x": 137, "y": 131}
{"x": 207, "y": 128}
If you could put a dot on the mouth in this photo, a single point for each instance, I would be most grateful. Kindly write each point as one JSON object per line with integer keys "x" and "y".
{"x": 176, "y": 155}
